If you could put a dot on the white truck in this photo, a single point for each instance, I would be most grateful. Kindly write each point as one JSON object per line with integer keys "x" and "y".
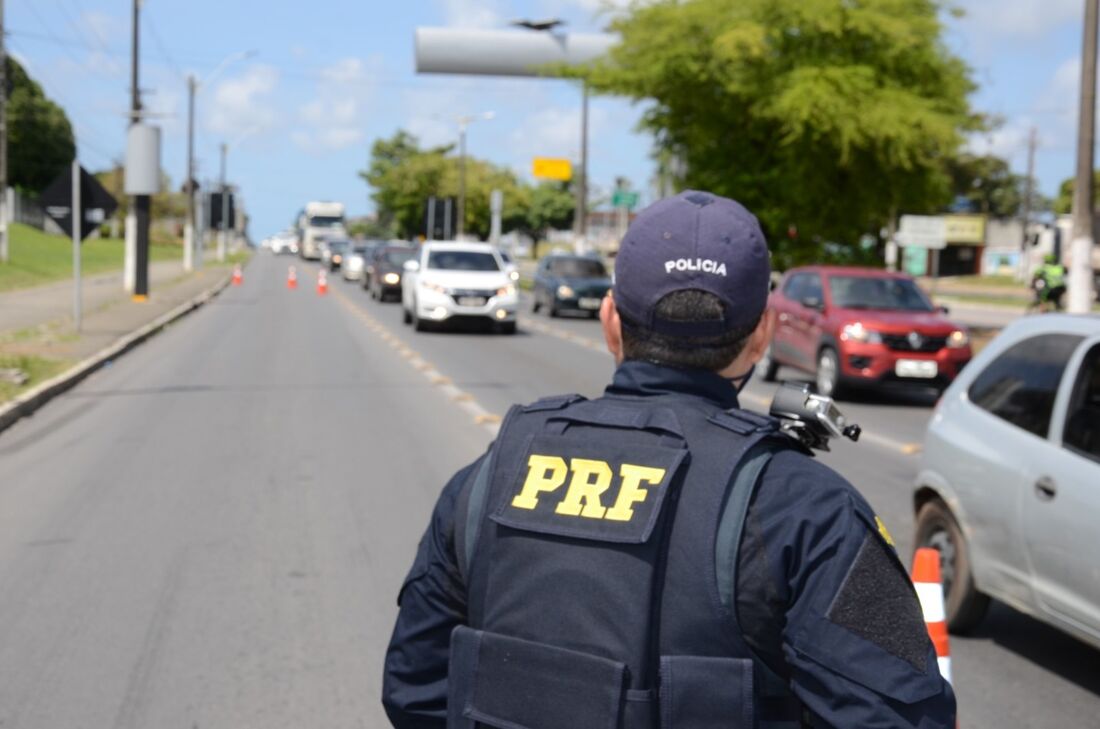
{"x": 317, "y": 221}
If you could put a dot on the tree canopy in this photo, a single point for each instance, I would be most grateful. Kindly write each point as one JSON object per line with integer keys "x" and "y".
{"x": 40, "y": 137}
{"x": 821, "y": 116}
{"x": 1063, "y": 203}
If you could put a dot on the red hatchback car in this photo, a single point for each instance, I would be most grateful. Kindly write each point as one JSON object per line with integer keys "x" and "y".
{"x": 852, "y": 326}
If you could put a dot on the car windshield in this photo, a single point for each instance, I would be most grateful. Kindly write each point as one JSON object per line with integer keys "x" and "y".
{"x": 398, "y": 257}
{"x": 577, "y": 268}
{"x": 868, "y": 292}
{"x": 463, "y": 261}
{"x": 337, "y": 245}
{"x": 325, "y": 221}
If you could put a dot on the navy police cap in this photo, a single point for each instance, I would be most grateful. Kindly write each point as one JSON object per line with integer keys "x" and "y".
{"x": 695, "y": 240}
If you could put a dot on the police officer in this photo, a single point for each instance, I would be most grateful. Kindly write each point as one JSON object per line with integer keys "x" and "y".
{"x": 658, "y": 557}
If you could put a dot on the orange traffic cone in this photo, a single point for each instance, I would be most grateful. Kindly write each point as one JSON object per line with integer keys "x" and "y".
{"x": 322, "y": 283}
{"x": 238, "y": 277}
{"x": 926, "y": 578}
{"x": 291, "y": 278}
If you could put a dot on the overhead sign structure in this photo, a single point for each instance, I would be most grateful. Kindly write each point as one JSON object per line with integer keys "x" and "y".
{"x": 923, "y": 231}
{"x": 504, "y": 52}
{"x": 552, "y": 168}
{"x": 96, "y": 203}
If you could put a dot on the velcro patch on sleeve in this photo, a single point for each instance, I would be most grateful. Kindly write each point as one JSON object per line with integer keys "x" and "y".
{"x": 576, "y": 488}
{"x": 877, "y": 602}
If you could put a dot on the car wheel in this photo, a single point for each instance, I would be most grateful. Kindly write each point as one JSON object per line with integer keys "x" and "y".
{"x": 406, "y": 317}
{"x": 508, "y": 327}
{"x": 828, "y": 373}
{"x": 535, "y": 305}
{"x": 555, "y": 312}
{"x": 419, "y": 324}
{"x": 964, "y": 604}
{"x": 768, "y": 367}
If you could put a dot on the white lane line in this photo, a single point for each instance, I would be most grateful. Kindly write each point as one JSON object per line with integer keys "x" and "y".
{"x": 488, "y": 420}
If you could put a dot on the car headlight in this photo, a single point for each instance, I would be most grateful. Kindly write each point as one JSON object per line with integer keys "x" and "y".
{"x": 514, "y": 275}
{"x": 434, "y": 287}
{"x": 958, "y": 339}
{"x": 859, "y": 333}
{"x": 336, "y": 258}
{"x": 565, "y": 292}
{"x": 506, "y": 290}
{"x": 392, "y": 278}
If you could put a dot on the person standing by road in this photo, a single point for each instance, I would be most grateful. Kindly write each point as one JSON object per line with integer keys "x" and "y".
{"x": 658, "y": 557}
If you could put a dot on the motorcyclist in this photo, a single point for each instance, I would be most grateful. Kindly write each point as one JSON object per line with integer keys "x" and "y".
{"x": 1049, "y": 284}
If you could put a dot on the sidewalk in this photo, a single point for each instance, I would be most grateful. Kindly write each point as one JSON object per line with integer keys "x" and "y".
{"x": 36, "y": 332}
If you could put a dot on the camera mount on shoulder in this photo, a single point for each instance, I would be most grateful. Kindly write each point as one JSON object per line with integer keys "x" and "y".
{"x": 809, "y": 418}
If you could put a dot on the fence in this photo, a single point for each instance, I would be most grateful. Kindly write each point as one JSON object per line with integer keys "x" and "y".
{"x": 26, "y": 210}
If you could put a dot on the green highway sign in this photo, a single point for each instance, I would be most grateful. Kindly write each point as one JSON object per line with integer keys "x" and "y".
{"x": 624, "y": 199}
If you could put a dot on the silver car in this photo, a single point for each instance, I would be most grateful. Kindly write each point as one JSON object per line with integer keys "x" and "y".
{"x": 1009, "y": 487}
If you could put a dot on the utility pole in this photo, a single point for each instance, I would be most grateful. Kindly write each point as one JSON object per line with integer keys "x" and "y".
{"x": 189, "y": 187}
{"x": 580, "y": 217}
{"x": 1080, "y": 274}
{"x": 223, "y": 224}
{"x": 139, "y": 204}
{"x": 460, "y": 226}
{"x": 1032, "y": 143}
{"x": 5, "y": 212}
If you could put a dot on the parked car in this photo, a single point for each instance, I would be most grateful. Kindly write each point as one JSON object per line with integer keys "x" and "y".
{"x": 570, "y": 283}
{"x": 850, "y": 326}
{"x": 354, "y": 262}
{"x": 332, "y": 252}
{"x": 455, "y": 281}
{"x": 387, "y": 267}
{"x": 1008, "y": 486}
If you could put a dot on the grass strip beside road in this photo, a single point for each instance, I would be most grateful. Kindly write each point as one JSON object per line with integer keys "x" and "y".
{"x": 37, "y": 258}
{"x": 37, "y": 369}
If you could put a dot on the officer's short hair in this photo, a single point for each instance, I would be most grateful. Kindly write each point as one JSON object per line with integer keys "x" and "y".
{"x": 712, "y": 353}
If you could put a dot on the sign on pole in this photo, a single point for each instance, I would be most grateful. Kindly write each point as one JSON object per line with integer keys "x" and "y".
{"x": 923, "y": 231}
{"x": 552, "y": 168}
{"x": 624, "y": 199}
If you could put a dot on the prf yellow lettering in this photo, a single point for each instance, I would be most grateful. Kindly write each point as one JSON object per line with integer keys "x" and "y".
{"x": 630, "y": 492}
{"x": 544, "y": 473}
{"x": 590, "y": 480}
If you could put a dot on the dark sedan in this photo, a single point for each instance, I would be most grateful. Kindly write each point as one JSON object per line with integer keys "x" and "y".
{"x": 386, "y": 270}
{"x": 570, "y": 283}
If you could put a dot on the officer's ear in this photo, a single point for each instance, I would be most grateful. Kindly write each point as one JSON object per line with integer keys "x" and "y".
{"x": 761, "y": 337}
{"x": 612, "y": 327}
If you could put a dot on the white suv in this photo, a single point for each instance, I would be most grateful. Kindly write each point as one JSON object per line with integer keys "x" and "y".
{"x": 454, "y": 281}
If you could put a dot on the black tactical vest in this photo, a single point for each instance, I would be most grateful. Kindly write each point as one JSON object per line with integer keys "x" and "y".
{"x": 599, "y": 552}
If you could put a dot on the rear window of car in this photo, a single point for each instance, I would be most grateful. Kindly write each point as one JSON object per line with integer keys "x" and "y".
{"x": 577, "y": 268}
{"x": 1020, "y": 385}
{"x": 462, "y": 261}
{"x": 398, "y": 257}
{"x": 871, "y": 292}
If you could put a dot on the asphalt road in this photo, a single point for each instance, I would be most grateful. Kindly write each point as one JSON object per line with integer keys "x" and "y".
{"x": 212, "y": 532}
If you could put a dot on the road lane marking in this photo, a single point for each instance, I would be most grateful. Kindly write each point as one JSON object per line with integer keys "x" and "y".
{"x": 488, "y": 420}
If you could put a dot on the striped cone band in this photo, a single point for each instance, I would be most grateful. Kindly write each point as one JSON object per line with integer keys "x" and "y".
{"x": 929, "y": 586}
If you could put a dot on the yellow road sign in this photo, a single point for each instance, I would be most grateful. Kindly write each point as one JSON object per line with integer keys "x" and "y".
{"x": 552, "y": 168}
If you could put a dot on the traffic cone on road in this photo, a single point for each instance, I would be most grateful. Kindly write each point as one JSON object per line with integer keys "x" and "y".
{"x": 322, "y": 283}
{"x": 238, "y": 277}
{"x": 291, "y": 278}
{"x": 926, "y": 578}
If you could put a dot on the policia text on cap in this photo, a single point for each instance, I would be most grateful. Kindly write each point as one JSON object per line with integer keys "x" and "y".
{"x": 658, "y": 557}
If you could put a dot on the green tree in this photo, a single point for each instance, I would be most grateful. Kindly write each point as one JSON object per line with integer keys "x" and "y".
{"x": 822, "y": 116}
{"x": 552, "y": 205}
{"x": 989, "y": 185}
{"x": 40, "y": 137}
{"x": 1063, "y": 203}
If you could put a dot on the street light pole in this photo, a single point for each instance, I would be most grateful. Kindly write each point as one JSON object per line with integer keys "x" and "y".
{"x": 580, "y": 216}
{"x": 223, "y": 224}
{"x": 460, "y": 227}
{"x": 5, "y": 213}
{"x": 1080, "y": 274}
{"x": 189, "y": 186}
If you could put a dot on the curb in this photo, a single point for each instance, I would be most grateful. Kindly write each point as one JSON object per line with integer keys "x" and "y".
{"x": 36, "y": 397}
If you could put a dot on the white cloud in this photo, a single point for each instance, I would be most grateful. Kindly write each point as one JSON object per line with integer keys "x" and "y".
{"x": 244, "y": 104}
{"x": 990, "y": 19}
{"x": 336, "y": 117}
{"x": 472, "y": 13}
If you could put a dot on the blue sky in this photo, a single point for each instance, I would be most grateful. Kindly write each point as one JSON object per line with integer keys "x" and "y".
{"x": 330, "y": 76}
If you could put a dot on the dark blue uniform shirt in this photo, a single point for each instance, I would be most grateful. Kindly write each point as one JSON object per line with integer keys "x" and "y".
{"x": 814, "y": 602}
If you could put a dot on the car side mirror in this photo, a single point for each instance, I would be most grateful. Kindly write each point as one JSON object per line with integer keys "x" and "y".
{"x": 944, "y": 309}
{"x": 813, "y": 302}
{"x": 411, "y": 266}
